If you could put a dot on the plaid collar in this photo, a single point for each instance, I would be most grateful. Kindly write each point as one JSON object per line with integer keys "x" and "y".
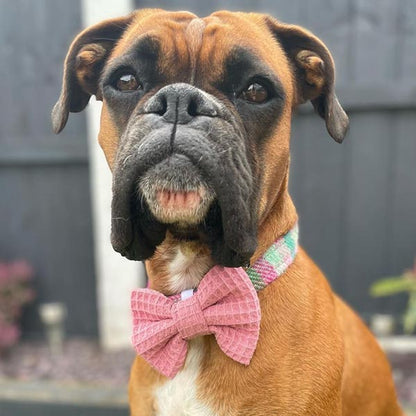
{"x": 275, "y": 260}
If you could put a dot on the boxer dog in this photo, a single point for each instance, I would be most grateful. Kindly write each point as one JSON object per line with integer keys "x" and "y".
{"x": 195, "y": 126}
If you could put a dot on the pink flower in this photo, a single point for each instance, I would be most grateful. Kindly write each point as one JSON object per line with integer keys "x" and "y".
{"x": 21, "y": 270}
{"x": 14, "y": 293}
{"x": 4, "y": 272}
{"x": 9, "y": 334}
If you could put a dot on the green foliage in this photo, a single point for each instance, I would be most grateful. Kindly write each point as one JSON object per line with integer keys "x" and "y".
{"x": 409, "y": 318}
{"x": 406, "y": 283}
{"x": 392, "y": 285}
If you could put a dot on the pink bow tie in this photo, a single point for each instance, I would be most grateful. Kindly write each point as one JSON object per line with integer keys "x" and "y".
{"x": 225, "y": 304}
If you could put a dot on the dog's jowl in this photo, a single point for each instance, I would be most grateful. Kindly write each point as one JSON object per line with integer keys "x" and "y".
{"x": 195, "y": 127}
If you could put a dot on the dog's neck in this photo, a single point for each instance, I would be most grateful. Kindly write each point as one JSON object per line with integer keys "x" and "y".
{"x": 179, "y": 265}
{"x": 280, "y": 218}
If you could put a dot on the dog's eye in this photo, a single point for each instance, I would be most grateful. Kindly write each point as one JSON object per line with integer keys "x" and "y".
{"x": 255, "y": 93}
{"x": 128, "y": 82}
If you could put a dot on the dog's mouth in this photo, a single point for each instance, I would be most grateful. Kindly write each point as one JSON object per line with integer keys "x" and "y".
{"x": 179, "y": 206}
{"x": 175, "y": 193}
{"x": 191, "y": 203}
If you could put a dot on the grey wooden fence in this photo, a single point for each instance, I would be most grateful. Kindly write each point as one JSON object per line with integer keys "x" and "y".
{"x": 44, "y": 185}
{"x": 357, "y": 201}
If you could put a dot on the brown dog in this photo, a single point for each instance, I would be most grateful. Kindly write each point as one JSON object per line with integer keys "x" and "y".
{"x": 195, "y": 127}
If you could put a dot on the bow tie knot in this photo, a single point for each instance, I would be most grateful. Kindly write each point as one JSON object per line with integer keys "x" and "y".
{"x": 189, "y": 318}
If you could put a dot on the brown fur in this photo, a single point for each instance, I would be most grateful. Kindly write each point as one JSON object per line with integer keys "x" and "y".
{"x": 324, "y": 360}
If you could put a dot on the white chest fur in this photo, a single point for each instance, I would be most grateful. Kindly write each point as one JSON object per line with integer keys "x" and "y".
{"x": 179, "y": 396}
{"x": 187, "y": 268}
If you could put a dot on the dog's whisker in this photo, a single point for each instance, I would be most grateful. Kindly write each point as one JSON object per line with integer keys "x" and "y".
{"x": 126, "y": 159}
{"x": 120, "y": 219}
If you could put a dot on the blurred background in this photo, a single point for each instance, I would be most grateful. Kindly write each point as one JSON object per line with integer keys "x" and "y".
{"x": 356, "y": 201}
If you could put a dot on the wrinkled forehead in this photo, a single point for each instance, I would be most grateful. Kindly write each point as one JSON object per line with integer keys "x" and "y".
{"x": 185, "y": 45}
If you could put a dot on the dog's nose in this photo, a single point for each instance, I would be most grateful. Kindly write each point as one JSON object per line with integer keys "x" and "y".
{"x": 181, "y": 103}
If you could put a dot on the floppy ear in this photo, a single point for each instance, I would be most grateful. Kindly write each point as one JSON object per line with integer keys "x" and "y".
{"x": 314, "y": 72}
{"x": 83, "y": 65}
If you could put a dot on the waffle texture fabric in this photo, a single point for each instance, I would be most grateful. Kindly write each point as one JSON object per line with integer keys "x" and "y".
{"x": 225, "y": 304}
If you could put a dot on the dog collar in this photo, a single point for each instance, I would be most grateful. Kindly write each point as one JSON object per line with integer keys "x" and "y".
{"x": 275, "y": 260}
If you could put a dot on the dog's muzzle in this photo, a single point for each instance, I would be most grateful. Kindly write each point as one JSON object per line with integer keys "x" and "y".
{"x": 183, "y": 161}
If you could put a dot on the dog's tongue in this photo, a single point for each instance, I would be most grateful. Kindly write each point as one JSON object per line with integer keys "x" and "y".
{"x": 178, "y": 200}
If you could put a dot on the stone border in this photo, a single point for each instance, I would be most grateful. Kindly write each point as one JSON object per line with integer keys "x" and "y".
{"x": 63, "y": 393}
{"x": 398, "y": 344}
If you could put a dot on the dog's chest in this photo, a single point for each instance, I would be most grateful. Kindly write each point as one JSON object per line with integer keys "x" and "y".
{"x": 179, "y": 396}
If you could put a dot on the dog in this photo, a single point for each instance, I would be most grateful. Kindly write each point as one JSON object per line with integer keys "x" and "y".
{"x": 195, "y": 127}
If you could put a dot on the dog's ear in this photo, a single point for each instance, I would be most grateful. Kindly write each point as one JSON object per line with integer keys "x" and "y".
{"x": 315, "y": 74}
{"x": 83, "y": 65}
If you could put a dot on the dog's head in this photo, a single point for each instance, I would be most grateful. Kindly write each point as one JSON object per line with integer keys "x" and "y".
{"x": 196, "y": 121}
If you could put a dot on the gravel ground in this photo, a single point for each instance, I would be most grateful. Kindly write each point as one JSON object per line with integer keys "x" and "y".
{"x": 84, "y": 362}
{"x": 404, "y": 372}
